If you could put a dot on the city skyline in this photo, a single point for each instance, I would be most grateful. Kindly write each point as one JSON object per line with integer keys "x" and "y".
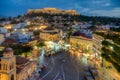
{"x": 84, "y": 7}
{"x": 60, "y": 40}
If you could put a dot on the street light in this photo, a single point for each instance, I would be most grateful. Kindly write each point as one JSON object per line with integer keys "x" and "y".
{"x": 111, "y": 48}
{"x": 23, "y": 30}
{"x": 15, "y": 29}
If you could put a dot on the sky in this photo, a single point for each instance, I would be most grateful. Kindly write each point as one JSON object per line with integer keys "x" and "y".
{"x": 109, "y": 8}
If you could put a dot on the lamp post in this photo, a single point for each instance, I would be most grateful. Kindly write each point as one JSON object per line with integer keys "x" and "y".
{"x": 111, "y": 48}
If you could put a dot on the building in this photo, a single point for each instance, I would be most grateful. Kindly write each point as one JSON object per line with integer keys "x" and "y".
{"x": 3, "y": 30}
{"x": 21, "y": 36}
{"x": 8, "y": 26}
{"x": 82, "y": 41}
{"x": 15, "y": 68}
{"x": 19, "y": 25}
{"x": 9, "y": 41}
{"x": 50, "y": 34}
{"x": 8, "y": 66}
{"x": 2, "y": 38}
{"x": 97, "y": 44}
{"x": 24, "y": 68}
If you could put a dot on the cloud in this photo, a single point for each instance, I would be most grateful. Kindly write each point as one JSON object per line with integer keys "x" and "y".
{"x": 85, "y": 9}
{"x": 77, "y": 6}
{"x": 81, "y": 9}
{"x": 107, "y": 4}
{"x": 115, "y": 12}
{"x": 102, "y": 3}
{"x": 98, "y": 8}
{"x": 98, "y": 2}
{"x": 16, "y": 1}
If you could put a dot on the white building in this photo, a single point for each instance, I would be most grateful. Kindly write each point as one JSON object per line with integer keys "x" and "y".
{"x": 23, "y": 38}
{"x": 20, "y": 37}
{"x": 3, "y": 30}
{"x": 20, "y": 25}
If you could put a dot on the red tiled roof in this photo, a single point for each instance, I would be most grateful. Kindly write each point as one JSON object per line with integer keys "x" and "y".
{"x": 21, "y": 63}
{"x": 8, "y": 50}
{"x": 9, "y": 41}
{"x": 21, "y": 60}
{"x": 78, "y": 33}
{"x": 33, "y": 39}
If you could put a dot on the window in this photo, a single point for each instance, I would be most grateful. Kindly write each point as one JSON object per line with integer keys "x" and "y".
{"x": 0, "y": 76}
{"x": 5, "y": 66}
{"x": 10, "y": 66}
{"x": 0, "y": 66}
{"x": 12, "y": 77}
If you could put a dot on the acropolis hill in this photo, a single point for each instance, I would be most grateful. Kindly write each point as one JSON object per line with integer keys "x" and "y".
{"x": 52, "y": 11}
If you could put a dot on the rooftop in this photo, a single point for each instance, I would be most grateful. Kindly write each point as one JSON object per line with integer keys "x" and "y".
{"x": 49, "y": 28}
{"x": 79, "y": 33}
{"x": 21, "y": 63}
{"x": 8, "y": 41}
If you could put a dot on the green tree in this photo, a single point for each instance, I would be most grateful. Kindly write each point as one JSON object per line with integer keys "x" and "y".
{"x": 41, "y": 44}
{"x": 70, "y": 31}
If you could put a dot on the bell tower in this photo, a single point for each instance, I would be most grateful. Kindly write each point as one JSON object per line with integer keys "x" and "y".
{"x": 8, "y": 65}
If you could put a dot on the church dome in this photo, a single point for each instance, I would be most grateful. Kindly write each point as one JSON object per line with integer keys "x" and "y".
{"x": 8, "y": 52}
{"x": 9, "y": 49}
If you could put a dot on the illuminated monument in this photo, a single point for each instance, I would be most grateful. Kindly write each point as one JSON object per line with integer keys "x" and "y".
{"x": 52, "y": 11}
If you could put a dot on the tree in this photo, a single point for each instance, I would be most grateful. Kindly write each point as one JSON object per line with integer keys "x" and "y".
{"x": 19, "y": 16}
{"x": 105, "y": 43}
{"x": 92, "y": 27}
{"x": 9, "y": 18}
{"x": 20, "y": 49}
{"x": 36, "y": 32}
{"x": 70, "y": 31}
{"x": 41, "y": 44}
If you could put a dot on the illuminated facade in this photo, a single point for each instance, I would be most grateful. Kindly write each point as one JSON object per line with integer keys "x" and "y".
{"x": 97, "y": 43}
{"x": 50, "y": 35}
{"x": 1, "y": 38}
{"x": 8, "y": 65}
{"x": 15, "y": 68}
{"x": 43, "y": 27}
{"x": 25, "y": 68}
{"x": 82, "y": 43}
{"x": 8, "y": 26}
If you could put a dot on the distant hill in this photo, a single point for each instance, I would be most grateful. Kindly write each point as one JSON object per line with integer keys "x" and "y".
{"x": 51, "y": 12}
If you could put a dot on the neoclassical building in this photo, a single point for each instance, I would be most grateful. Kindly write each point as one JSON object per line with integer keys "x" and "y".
{"x": 81, "y": 41}
{"x": 50, "y": 34}
{"x": 97, "y": 43}
{"x": 15, "y": 68}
